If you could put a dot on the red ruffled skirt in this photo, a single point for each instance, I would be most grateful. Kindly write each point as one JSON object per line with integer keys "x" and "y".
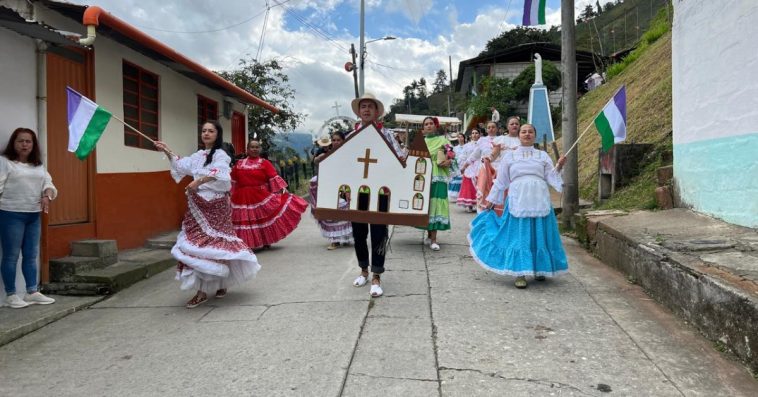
{"x": 262, "y": 218}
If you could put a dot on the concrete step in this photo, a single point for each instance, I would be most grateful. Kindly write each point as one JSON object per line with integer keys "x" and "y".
{"x": 163, "y": 241}
{"x": 133, "y": 266}
{"x": 97, "y": 248}
{"x": 61, "y": 269}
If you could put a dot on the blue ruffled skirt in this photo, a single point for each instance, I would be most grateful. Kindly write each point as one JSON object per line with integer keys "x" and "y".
{"x": 517, "y": 246}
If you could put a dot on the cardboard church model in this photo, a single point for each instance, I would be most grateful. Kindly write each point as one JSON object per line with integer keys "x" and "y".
{"x": 378, "y": 186}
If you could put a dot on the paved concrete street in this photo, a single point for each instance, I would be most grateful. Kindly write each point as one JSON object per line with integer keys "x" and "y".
{"x": 444, "y": 327}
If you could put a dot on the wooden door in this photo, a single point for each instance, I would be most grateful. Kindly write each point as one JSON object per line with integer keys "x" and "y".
{"x": 72, "y": 177}
{"x": 239, "y": 139}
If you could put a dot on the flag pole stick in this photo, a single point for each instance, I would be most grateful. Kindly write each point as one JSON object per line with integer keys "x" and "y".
{"x": 577, "y": 139}
{"x": 139, "y": 132}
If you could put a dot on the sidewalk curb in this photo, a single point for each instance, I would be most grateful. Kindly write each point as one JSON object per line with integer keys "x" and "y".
{"x": 27, "y": 328}
{"x": 704, "y": 295}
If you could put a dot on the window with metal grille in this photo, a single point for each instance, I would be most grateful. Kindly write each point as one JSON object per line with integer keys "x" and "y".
{"x": 207, "y": 110}
{"x": 141, "y": 110}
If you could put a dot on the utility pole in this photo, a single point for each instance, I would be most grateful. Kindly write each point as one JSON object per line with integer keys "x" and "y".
{"x": 355, "y": 71}
{"x": 362, "y": 48}
{"x": 568, "y": 60}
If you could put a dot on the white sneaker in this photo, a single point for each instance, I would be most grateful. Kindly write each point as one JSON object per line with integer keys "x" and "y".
{"x": 434, "y": 247}
{"x": 427, "y": 241}
{"x": 15, "y": 302}
{"x": 38, "y": 299}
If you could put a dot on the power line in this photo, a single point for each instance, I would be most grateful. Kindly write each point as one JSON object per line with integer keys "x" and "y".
{"x": 204, "y": 31}
{"x": 307, "y": 24}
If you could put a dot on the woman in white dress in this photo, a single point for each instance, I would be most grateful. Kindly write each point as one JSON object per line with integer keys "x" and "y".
{"x": 210, "y": 255}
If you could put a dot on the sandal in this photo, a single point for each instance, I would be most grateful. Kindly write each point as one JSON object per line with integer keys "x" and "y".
{"x": 221, "y": 293}
{"x": 197, "y": 300}
{"x": 333, "y": 246}
{"x": 520, "y": 282}
{"x": 376, "y": 289}
{"x": 360, "y": 281}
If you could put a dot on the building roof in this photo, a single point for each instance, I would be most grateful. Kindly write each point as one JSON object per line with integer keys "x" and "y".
{"x": 418, "y": 119}
{"x": 11, "y": 20}
{"x": 522, "y": 53}
{"x": 116, "y": 29}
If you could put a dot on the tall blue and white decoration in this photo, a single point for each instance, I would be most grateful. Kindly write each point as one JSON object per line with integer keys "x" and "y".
{"x": 539, "y": 105}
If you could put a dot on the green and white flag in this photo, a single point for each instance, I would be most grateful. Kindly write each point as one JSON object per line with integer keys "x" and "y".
{"x": 86, "y": 122}
{"x": 611, "y": 122}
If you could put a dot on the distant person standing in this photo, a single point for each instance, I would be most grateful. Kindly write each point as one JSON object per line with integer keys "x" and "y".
{"x": 495, "y": 116}
{"x": 26, "y": 189}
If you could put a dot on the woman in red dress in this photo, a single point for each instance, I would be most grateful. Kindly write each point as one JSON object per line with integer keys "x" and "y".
{"x": 263, "y": 212}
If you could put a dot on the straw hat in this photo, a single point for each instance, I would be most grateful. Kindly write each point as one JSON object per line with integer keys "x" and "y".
{"x": 324, "y": 141}
{"x": 453, "y": 136}
{"x": 368, "y": 96}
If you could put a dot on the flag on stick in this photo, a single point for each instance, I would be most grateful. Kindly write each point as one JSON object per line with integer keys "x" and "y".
{"x": 86, "y": 122}
{"x": 611, "y": 122}
{"x": 534, "y": 12}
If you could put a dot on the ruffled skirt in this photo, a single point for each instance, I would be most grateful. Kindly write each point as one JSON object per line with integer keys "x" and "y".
{"x": 264, "y": 222}
{"x": 517, "y": 246}
{"x": 334, "y": 231}
{"x": 467, "y": 194}
{"x": 210, "y": 255}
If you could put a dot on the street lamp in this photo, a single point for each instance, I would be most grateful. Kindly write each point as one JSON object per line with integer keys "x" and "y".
{"x": 363, "y": 58}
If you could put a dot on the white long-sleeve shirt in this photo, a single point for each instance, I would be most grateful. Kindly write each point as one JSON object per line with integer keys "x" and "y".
{"x": 526, "y": 173}
{"x": 22, "y": 185}
{"x": 194, "y": 166}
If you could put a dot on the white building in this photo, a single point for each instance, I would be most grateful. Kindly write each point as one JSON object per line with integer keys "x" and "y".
{"x": 714, "y": 69}
{"x": 123, "y": 191}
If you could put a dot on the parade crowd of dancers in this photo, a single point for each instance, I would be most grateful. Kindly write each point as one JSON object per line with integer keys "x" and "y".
{"x": 238, "y": 207}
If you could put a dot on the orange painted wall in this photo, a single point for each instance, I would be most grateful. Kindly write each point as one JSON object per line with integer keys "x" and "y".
{"x": 60, "y": 237}
{"x": 132, "y": 207}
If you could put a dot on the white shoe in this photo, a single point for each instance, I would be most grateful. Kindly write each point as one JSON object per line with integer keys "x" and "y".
{"x": 376, "y": 290}
{"x": 38, "y": 299}
{"x": 360, "y": 281}
{"x": 15, "y": 302}
{"x": 434, "y": 247}
{"x": 427, "y": 241}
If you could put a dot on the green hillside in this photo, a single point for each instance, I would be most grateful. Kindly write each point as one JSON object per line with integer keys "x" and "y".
{"x": 649, "y": 112}
{"x": 618, "y": 27}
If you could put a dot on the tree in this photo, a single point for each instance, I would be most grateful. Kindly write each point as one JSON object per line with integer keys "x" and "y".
{"x": 551, "y": 77}
{"x": 342, "y": 126}
{"x": 440, "y": 82}
{"x": 495, "y": 92}
{"x": 521, "y": 35}
{"x": 598, "y": 7}
{"x": 266, "y": 81}
{"x": 588, "y": 12}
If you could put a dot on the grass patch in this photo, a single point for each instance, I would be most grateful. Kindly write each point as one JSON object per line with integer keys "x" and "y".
{"x": 659, "y": 27}
{"x": 649, "y": 115}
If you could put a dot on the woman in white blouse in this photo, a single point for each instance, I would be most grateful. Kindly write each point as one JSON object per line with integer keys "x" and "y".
{"x": 525, "y": 241}
{"x": 26, "y": 189}
{"x": 210, "y": 256}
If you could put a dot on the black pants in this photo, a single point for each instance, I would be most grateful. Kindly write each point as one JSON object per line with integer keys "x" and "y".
{"x": 378, "y": 245}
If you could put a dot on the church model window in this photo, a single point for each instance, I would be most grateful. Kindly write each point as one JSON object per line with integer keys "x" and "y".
{"x": 343, "y": 193}
{"x": 421, "y": 166}
{"x": 364, "y": 195}
{"x": 418, "y": 201}
{"x": 384, "y": 199}
{"x": 418, "y": 183}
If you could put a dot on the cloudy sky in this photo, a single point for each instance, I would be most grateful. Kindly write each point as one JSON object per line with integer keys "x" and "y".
{"x": 312, "y": 39}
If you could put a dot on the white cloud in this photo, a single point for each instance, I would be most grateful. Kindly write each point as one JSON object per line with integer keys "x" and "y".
{"x": 315, "y": 65}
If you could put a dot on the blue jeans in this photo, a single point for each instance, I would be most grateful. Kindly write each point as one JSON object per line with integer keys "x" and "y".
{"x": 19, "y": 234}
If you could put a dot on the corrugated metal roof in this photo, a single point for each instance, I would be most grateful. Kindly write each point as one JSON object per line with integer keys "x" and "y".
{"x": 11, "y": 20}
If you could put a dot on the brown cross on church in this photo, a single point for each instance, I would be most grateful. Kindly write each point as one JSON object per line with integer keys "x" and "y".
{"x": 366, "y": 161}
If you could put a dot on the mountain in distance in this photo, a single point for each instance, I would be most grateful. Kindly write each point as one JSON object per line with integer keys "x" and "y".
{"x": 300, "y": 142}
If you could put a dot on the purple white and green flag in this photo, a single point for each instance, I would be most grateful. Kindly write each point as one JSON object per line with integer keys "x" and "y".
{"x": 534, "y": 12}
{"x": 611, "y": 122}
{"x": 86, "y": 122}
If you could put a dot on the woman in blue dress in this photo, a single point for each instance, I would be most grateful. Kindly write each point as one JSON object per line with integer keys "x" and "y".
{"x": 525, "y": 240}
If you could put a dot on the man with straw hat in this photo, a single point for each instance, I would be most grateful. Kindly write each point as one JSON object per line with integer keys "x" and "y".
{"x": 370, "y": 110}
